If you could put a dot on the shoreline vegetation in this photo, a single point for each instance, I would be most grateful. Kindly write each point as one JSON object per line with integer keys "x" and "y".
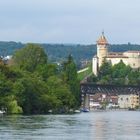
{"x": 29, "y": 84}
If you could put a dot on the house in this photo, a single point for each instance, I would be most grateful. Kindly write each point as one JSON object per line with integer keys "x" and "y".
{"x": 128, "y": 101}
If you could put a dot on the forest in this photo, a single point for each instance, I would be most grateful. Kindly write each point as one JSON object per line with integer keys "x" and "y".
{"x": 57, "y": 53}
{"x": 30, "y": 84}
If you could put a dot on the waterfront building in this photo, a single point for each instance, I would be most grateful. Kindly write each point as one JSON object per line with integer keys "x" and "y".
{"x": 135, "y": 100}
{"x": 131, "y": 58}
{"x": 128, "y": 101}
{"x": 112, "y": 99}
{"x": 97, "y": 100}
{"x": 124, "y": 101}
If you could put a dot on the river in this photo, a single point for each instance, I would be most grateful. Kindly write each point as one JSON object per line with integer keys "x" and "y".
{"x": 106, "y": 125}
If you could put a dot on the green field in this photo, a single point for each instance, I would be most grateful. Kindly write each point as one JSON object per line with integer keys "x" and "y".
{"x": 85, "y": 73}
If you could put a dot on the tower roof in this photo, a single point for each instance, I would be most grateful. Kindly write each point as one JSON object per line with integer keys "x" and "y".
{"x": 102, "y": 40}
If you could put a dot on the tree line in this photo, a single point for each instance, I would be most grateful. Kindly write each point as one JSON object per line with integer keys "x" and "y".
{"x": 30, "y": 84}
{"x": 58, "y": 52}
{"x": 119, "y": 74}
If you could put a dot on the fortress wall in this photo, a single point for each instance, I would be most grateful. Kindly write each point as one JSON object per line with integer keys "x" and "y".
{"x": 134, "y": 62}
{"x": 117, "y": 60}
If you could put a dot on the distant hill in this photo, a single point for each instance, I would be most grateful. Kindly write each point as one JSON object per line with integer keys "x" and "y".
{"x": 8, "y": 48}
{"x": 58, "y": 52}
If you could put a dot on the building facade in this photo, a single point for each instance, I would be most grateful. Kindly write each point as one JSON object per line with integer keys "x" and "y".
{"x": 131, "y": 58}
{"x": 128, "y": 101}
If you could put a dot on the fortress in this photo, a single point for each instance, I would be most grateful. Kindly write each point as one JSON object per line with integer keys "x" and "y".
{"x": 131, "y": 58}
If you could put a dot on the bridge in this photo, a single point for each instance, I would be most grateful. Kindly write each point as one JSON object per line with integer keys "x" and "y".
{"x": 90, "y": 88}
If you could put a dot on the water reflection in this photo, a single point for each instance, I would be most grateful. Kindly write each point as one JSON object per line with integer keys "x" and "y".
{"x": 116, "y": 125}
{"x": 119, "y": 125}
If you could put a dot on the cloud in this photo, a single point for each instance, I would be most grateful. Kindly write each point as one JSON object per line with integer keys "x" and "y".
{"x": 69, "y": 21}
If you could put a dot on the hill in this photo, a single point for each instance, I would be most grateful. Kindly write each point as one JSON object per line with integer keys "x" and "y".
{"x": 59, "y": 52}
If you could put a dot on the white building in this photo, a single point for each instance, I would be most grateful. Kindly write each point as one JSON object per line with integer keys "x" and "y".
{"x": 131, "y": 58}
{"x": 128, "y": 101}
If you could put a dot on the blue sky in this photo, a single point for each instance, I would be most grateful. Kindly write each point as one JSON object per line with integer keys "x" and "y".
{"x": 70, "y": 21}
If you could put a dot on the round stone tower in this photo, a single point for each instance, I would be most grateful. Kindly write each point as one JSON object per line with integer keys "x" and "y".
{"x": 102, "y": 49}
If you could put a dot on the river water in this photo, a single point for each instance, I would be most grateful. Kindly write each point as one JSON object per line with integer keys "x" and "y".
{"x": 107, "y": 125}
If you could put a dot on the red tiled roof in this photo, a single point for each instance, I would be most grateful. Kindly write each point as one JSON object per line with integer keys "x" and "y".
{"x": 133, "y": 51}
{"x": 116, "y": 56}
{"x": 102, "y": 40}
{"x": 115, "y": 53}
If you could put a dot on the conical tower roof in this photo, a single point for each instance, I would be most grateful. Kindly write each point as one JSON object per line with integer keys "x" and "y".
{"x": 102, "y": 40}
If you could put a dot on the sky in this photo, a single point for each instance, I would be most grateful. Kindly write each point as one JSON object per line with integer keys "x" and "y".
{"x": 70, "y": 21}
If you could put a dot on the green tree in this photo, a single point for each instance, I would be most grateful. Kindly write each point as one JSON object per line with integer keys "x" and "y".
{"x": 71, "y": 78}
{"x": 30, "y": 57}
{"x": 60, "y": 92}
{"x": 105, "y": 72}
{"x": 105, "y": 69}
{"x": 47, "y": 70}
{"x": 134, "y": 77}
{"x": 28, "y": 91}
{"x": 117, "y": 74}
{"x": 120, "y": 73}
{"x": 120, "y": 70}
{"x": 33, "y": 86}
{"x": 7, "y": 98}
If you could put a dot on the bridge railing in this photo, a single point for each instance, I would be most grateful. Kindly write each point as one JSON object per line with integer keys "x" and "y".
{"x": 91, "y": 88}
